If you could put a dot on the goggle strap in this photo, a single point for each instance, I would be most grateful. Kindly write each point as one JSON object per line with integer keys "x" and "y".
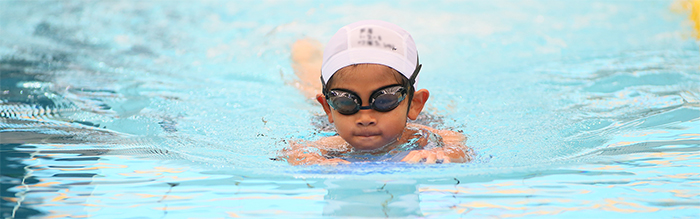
{"x": 323, "y": 83}
{"x": 412, "y": 80}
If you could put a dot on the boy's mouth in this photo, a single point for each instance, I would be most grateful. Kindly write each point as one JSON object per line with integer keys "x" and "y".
{"x": 367, "y": 134}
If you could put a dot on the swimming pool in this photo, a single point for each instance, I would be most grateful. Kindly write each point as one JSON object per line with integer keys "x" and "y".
{"x": 174, "y": 109}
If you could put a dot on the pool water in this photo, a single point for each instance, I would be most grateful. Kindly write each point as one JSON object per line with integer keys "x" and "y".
{"x": 162, "y": 109}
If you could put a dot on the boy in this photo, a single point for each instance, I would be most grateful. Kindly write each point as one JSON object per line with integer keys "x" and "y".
{"x": 368, "y": 77}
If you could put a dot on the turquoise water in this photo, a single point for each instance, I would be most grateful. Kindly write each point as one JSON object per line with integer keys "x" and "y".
{"x": 161, "y": 109}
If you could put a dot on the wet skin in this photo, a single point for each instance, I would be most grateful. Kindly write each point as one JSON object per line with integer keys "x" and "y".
{"x": 369, "y": 129}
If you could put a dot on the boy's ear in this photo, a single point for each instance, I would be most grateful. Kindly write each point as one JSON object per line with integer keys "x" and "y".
{"x": 417, "y": 103}
{"x": 327, "y": 108}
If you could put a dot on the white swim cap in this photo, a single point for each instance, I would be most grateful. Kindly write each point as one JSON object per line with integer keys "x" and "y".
{"x": 371, "y": 42}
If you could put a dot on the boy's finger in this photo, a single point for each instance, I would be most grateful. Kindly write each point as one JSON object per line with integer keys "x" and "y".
{"x": 411, "y": 157}
{"x": 339, "y": 161}
{"x": 441, "y": 158}
{"x": 405, "y": 158}
{"x": 430, "y": 159}
{"x": 334, "y": 162}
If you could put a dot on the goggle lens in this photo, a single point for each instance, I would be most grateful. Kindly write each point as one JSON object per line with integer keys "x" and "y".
{"x": 345, "y": 105}
{"x": 386, "y": 102}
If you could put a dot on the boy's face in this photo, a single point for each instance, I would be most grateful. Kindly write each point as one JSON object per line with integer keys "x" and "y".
{"x": 367, "y": 129}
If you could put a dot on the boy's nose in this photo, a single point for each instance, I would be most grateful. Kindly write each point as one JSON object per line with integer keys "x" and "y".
{"x": 365, "y": 118}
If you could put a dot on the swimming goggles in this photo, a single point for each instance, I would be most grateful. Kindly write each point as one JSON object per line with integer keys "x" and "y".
{"x": 383, "y": 99}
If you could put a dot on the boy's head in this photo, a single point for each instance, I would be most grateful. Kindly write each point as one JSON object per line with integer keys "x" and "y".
{"x": 371, "y": 42}
{"x": 368, "y": 74}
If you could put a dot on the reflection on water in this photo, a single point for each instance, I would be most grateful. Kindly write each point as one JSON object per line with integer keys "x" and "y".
{"x": 123, "y": 109}
{"x": 14, "y": 173}
{"x": 649, "y": 184}
{"x": 366, "y": 198}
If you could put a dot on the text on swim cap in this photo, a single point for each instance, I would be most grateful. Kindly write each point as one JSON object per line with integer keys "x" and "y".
{"x": 377, "y": 37}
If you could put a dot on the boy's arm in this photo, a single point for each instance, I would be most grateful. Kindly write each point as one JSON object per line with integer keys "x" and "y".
{"x": 307, "y": 57}
{"x": 453, "y": 151}
{"x": 310, "y": 153}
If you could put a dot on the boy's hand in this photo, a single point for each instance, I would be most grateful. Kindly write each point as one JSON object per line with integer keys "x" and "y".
{"x": 437, "y": 155}
{"x": 333, "y": 162}
{"x": 426, "y": 156}
{"x": 298, "y": 153}
{"x": 311, "y": 158}
{"x": 453, "y": 151}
